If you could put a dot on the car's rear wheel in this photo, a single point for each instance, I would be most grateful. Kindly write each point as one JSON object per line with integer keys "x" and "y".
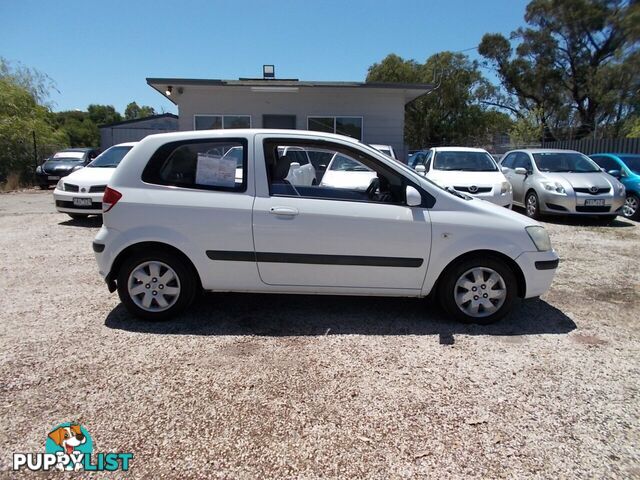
{"x": 631, "y": 207}
{"x": 478, "y": 290}
{"x": 155, "y": 285}
{"x": 532, "y": 205}
{"x": 44, "y": 187}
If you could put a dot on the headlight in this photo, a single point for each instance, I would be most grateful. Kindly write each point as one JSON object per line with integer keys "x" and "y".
{"x": 539, "y": 237}
{"x": 505, "y": 187}
{"x": 554, "y": 187}
{"x": 39, "y": 169}
{"x": 60, "y": 185}
{"x": 621, "y": 190}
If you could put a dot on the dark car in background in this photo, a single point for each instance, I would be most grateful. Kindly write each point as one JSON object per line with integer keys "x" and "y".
{"x": 62, "y": 163}
{"x": 626, "y": 168}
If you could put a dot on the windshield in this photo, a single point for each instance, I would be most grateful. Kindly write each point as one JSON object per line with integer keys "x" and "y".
{"x": 632, "y": 162}
{"x": 110, "y": 158}
{"x": 464, "y": 161}
{"x": 235, "y": 153}
{"x": 564, "y": 162}
{"x": 65, "y": 159}
{"x": 69, "y": 155}
{"x": 346, "y": 164}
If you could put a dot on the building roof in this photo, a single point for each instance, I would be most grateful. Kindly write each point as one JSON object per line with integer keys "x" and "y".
{"x": 412, "y": 90}
{"x": 143, "y": 119}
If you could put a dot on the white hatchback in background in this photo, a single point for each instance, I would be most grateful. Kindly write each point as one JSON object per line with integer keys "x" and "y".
{"x": 467, "y": 170}
{"x": 344, "y": 172}
{"x": 80, "y": 193}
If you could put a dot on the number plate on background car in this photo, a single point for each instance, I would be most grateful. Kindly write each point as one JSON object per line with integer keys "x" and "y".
{"x": 594, "y": 203}
{"x": 52, "y": 177}
{"x": 82, "y": 202}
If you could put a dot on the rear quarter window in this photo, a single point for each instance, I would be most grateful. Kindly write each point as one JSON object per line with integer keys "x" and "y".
{"x": 200, "y": 164}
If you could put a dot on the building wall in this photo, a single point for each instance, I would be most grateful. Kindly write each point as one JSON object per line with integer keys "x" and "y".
{"x": 135, "y": 131}
{"x": 382, "y": 109}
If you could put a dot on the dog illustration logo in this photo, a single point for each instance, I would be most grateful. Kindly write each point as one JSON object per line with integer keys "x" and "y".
{"x": 72, "y": 441}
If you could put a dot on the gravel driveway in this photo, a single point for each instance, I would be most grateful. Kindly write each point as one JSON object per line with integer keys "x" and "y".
{"x": 256, "y": 386}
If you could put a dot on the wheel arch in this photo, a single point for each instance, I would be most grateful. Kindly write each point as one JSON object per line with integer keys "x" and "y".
{"x": 145, "y": 247}
{"x": 511, "y": 263}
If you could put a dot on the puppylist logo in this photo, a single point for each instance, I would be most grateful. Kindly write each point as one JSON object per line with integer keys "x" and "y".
{"x": 70, "y": 447}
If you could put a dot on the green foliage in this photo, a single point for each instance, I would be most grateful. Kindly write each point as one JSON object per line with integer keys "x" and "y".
{"x": 20, "y": 117}
{"x": 80, "y": 129}
{"x": 453, "y": 113}
{"x": 134, "y": 111}
{"x": 527, "y": 129}
{"x": 103, "y": 114}
{"x": 633, "y": 128}
{"x": 575, "y": 66}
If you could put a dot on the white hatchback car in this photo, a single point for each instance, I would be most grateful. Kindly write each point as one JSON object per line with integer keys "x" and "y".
{"x": 467, "y": 170}
{"x": 177, "y": 221}
{"x": 80, "y": 193}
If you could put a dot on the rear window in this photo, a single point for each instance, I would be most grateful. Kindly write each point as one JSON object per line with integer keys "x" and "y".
{"x": 200, "y": 164}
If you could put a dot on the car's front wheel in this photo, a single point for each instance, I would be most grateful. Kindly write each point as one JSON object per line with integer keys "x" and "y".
{"x": 478, "y": 290}
{"x": 532, "y": 205}
{"x": 155, "y": 285}
{"x": 631, "y": 207}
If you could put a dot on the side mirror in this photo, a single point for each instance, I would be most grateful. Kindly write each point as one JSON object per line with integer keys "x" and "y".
{"x": 414, "y": 198}
{"x": 521, "y": 171}
{"x": 614, "y": 173}
{"x": 421, "y": 170}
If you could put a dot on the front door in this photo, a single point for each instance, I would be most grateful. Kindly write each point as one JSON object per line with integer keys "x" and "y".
{"x": 279, "y": 121}
{"x": 327, "y": 236}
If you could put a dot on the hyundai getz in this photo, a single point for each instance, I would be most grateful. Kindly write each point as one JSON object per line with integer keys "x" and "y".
{"x": 179, "y": 218}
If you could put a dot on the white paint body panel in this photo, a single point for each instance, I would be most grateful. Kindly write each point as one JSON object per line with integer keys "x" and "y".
{"x": 195, "y": 221}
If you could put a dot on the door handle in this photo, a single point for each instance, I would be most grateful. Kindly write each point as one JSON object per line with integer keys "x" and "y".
{"x": 286, "y": 211}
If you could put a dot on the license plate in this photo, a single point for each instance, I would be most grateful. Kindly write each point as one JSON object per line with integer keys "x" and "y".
{"x": 53, "y": 177}
{"x": 82, "y": 202}
{"x": 594, "y": 203}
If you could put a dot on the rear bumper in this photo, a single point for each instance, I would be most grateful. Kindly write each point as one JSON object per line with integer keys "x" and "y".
{"x": 538, "y": 268}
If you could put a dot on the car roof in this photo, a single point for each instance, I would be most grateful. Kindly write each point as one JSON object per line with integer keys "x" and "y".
{"x": 83, "y": 149}
{"x": 376, "y": 145}
{"x": 197, "y": 134}
{"x": 459, "y": 149}
{"x": 617, "y": 154}
{"x": 125, "y": 144}
{"x": 543, "y": 150}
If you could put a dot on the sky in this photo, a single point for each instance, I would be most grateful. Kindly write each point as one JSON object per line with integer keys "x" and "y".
{"x": 102, "y": 52}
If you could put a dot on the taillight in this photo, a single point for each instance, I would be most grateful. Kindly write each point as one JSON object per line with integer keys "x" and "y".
{"x": 109, "y": 199}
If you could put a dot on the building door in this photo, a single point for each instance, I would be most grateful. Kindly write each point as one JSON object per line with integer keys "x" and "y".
{"x": 279, "y": 121}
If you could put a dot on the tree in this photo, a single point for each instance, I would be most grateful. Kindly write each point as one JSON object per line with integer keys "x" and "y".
{"x": 133, "y": 111}
{"x": 575, "y": 66}
{"x": 21, "y": 117}
{"x": 80, "y": 129}
{"x": 453, "y": 112}
{"x": 103, "y": 114}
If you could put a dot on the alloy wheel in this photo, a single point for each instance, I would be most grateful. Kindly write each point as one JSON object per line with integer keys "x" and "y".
{"x": 154, "y": 286}
{"x": 532, "y": 205}
{"x": 480, "y": 292}
{"x": 630, "y": 206}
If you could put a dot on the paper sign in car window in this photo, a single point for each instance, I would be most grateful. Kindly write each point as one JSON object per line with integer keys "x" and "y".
{"x": 215, "y": 171}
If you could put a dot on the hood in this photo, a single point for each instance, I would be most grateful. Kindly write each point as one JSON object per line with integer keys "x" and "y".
{"x": 456, "y": 178}
{"x": 581, "y": 180}
{"x": 60, "y": 166}
{"x": 90, "y": 176}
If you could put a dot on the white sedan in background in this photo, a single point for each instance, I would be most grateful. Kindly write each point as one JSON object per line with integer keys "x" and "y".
{"x": 345, "y": 172}
{"x": 80, "y": 193}
{"x": 468, "y": 170}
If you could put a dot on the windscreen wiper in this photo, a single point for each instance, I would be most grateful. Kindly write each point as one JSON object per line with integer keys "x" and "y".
{"x": 453, "y": 191}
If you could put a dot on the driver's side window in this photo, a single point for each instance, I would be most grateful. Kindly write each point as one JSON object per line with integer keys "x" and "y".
{"x": 349, "y": 175}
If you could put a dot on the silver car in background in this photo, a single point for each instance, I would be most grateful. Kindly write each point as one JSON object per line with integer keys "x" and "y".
{"x": 561, "y": 182}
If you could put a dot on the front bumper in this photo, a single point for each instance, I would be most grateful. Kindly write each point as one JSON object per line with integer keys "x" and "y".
{"x": 49, "y": 179}
{"x": 539, "y": 269}
{"x": 64, "y": 202}
{"x": 574, "y": 204}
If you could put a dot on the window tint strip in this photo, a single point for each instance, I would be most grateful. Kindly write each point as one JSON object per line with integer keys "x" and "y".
{"x": 314, "y": 259}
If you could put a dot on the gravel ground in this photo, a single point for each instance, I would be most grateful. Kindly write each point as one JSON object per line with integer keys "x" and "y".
{"x": 256, "y": 386}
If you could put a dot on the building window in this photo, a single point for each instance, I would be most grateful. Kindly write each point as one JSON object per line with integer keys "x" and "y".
{"x": 350, "y": 126}
{"x": 215, "y": 122}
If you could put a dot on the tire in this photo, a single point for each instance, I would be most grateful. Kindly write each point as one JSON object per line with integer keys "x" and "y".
{"x": 451, "y": 291}
{"x": 44, "y": 187}
{"x": 77, "y": 216}
{"x": 532, "y": 205}
{"x": 181, "y": 279}
{"x": 631, "y": 209}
